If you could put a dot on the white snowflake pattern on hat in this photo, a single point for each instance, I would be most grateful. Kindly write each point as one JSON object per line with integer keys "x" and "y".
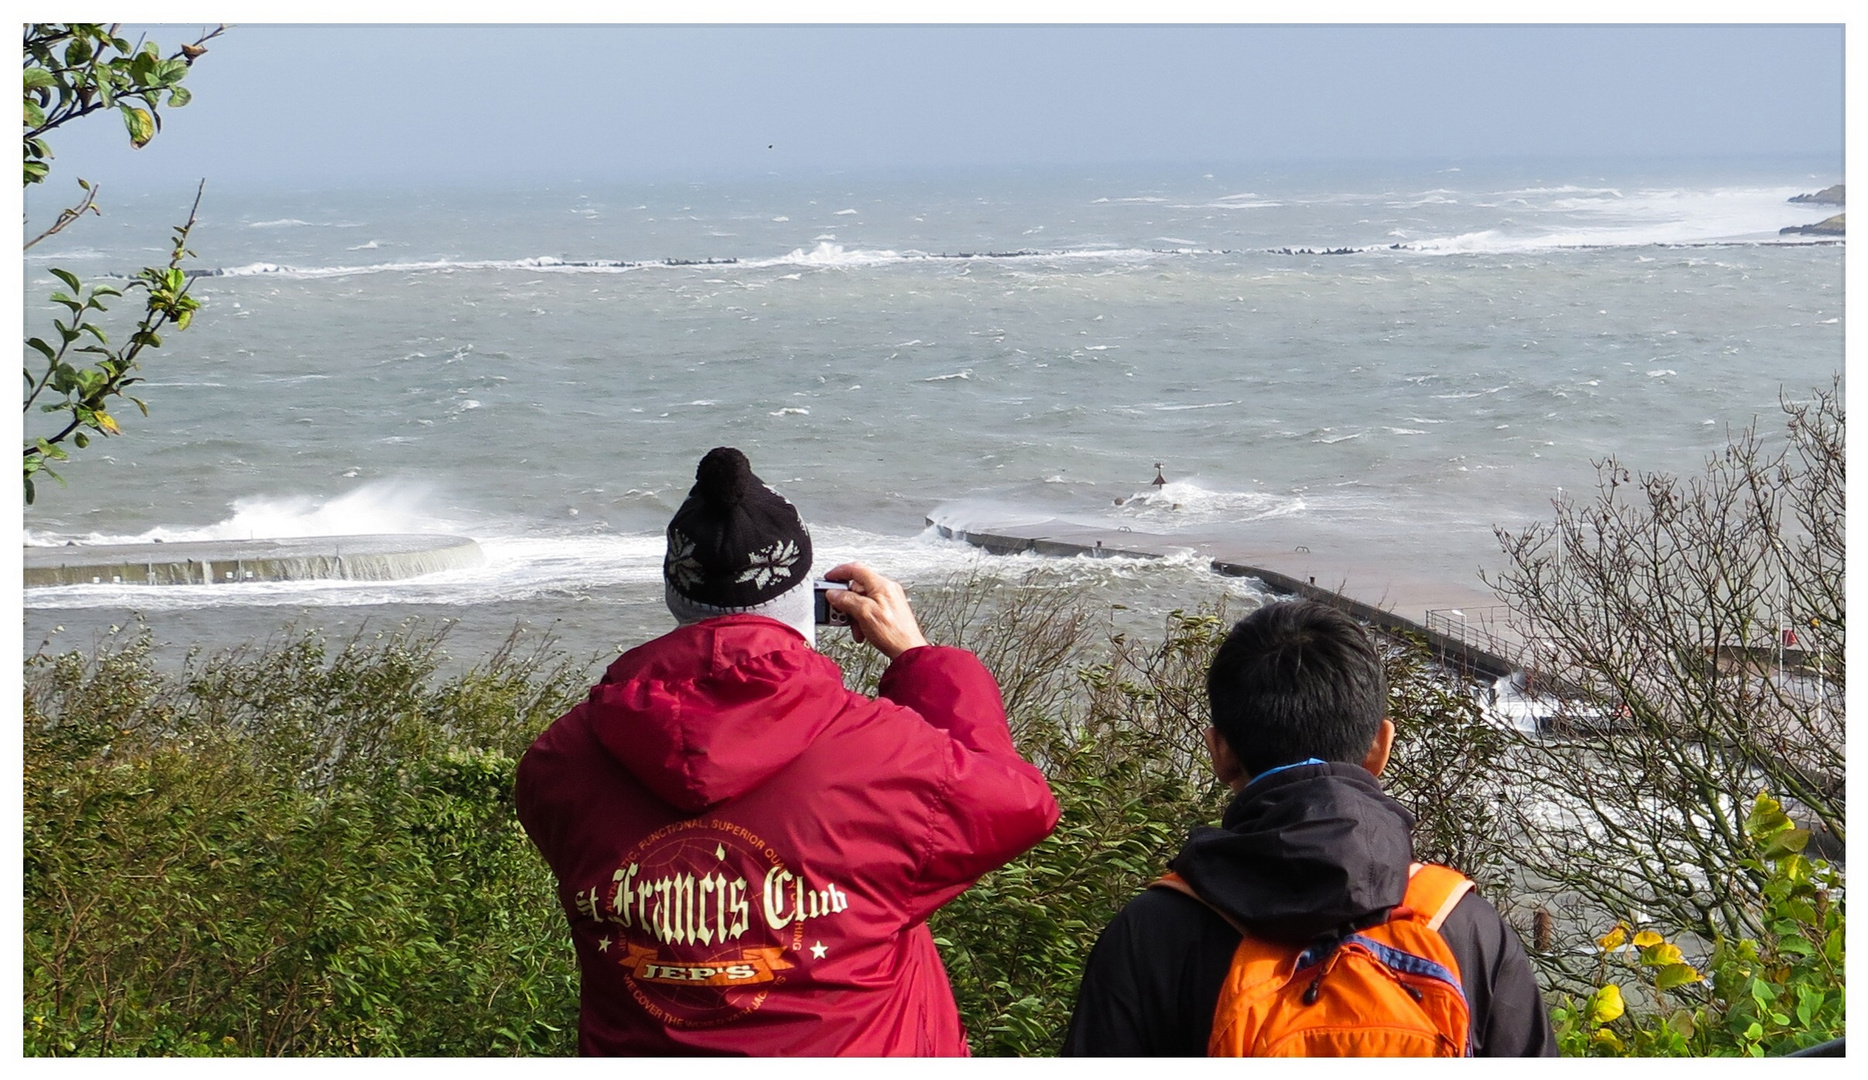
{"x": 681, "y": 564}
{"x": 770, "y": 563}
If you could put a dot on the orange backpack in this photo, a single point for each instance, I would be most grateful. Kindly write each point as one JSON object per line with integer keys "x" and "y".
{"x": 1390, "y": 990}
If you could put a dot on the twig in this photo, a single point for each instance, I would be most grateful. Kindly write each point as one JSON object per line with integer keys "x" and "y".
{"x": 69, "y": 215}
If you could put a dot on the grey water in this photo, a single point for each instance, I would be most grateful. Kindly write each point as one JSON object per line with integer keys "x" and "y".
{"x": 1400, "y": 357}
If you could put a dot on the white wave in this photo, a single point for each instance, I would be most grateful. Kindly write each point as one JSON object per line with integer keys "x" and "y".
{"x": 1183, "y": 503}
{"x": 281, "y": 223}
{"x": 376, "y": 507}
{"x": 68, "y": 253}
{"x": 790, "y": 411}
{"x": 371, "y": 246}
{"x": 1185, "y": 408}
{"x": 1660, "y": 372}
{"x": 824, "y": 255}
{"x": 781, "y": 219}
{"x": 1607, "y": 217}
{"x": 1230, "y": 204}
{"x": 827, "y": 254}
{"x": 842, "y": 213}
{"x": 536, "y": 263}
{"x": 963, "y": 373}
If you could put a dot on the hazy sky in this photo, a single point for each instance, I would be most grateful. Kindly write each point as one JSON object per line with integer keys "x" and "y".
{"x": 331, "y": 105}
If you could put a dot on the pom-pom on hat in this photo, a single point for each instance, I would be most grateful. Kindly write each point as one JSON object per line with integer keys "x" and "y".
{"x": 735, "y": 545}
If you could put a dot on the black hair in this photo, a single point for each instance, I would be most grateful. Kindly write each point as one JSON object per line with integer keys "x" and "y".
{"x": 1297, "y": 680}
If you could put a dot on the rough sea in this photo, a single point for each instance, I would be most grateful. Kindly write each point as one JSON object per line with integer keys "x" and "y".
{"x": 1398, "y": 357}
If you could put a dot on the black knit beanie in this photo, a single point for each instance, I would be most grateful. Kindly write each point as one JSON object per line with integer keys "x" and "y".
{"x": 736, "y": 543}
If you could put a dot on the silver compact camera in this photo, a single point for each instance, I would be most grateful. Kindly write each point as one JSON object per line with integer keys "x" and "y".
{"x": 827, "y": 615}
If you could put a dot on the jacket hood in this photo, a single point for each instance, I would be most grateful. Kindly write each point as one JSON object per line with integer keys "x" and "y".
{"x": 711, "y": 710}
{"x": 1304, "y": 852}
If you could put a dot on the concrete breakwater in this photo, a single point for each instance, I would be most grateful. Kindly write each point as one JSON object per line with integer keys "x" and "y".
{"x": 382, "y": 557}
{"x": 1447, "y": 617}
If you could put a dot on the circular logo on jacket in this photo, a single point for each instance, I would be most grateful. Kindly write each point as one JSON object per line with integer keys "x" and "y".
{"x": 706, "y": 920}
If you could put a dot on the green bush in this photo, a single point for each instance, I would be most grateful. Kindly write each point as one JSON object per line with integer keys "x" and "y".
{"x": 288, "y": 851}
{"x": 1758, "y": 997}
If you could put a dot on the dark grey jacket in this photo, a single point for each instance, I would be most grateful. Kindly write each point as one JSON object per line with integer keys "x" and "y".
{"x": 1305, "y": 852}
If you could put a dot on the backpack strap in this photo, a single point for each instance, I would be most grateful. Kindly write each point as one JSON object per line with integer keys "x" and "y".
{"x": 1433, "y": 891}
{"x": 1175, "y": 883}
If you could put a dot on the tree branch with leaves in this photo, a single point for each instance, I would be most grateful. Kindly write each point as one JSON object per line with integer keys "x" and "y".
{"x": 72, "y": 70}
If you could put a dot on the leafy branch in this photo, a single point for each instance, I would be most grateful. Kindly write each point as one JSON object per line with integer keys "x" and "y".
{"x": 73, "y": 70}
{"x": 76, "y": 69}
{"x": 82, "y": 392}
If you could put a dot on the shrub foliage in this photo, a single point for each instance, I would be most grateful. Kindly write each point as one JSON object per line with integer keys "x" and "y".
{"x": 288, "y": 850}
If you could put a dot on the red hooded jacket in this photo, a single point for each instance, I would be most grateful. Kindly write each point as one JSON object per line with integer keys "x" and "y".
{"x": 747, "y": 852}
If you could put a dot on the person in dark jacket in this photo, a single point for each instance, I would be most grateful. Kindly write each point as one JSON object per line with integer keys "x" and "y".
{"x": 747, "y": 852}
{"x": 1309, "y": 847}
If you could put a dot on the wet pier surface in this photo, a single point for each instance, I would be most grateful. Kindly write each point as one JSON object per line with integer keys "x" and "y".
{"x": 382, "y": 557}
{"x": 1447, "y": 616}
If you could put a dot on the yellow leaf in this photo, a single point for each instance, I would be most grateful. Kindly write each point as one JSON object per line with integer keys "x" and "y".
{"x": 108, "y": 423}
{"x": 1648, "y": 937}
{"x": 1661, "y": 955}
{"x": 141, "y": 124}
{"x": 1607, "y": 1039}
{"x": 1676, "y": 975}
{"x": 1614, "y": 938}
{"x": 1606, "y": 1004}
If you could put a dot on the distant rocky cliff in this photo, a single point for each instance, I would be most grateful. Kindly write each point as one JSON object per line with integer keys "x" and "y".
{"x": 1827, "y": 227}
{"x": 1829, "y": 196}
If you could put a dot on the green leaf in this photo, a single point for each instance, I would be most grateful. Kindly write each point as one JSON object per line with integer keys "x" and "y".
{"x": 34, "y": 115}
{"x": 179, "y": 97}
{"x": 39, "y": 344}
{"x": 1767, "y": 818}
{"x": 142, "y": 126}
{"x": 69, "y": 278}
{"x": 1676, "y": 975}
{"x": 81, "y": 439}
{"x": 37, "y": 78}
{"x": 29, "y": 491}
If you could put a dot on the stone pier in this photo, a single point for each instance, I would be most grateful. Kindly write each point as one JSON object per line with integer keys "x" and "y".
{"x": 1434, "y": 611}
{"x": 383, "y": 557}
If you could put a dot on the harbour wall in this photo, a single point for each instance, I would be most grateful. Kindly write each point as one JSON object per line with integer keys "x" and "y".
{"x": 381, "y": 557}
{"x": 1294, "y": 573}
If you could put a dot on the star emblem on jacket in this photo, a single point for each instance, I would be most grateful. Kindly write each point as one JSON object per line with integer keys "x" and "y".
{"x": 770, "y": 563}
{"x": 818, "y": 951}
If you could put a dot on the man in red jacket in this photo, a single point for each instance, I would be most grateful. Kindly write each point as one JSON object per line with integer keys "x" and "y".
{"x": 747, "y": 852}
